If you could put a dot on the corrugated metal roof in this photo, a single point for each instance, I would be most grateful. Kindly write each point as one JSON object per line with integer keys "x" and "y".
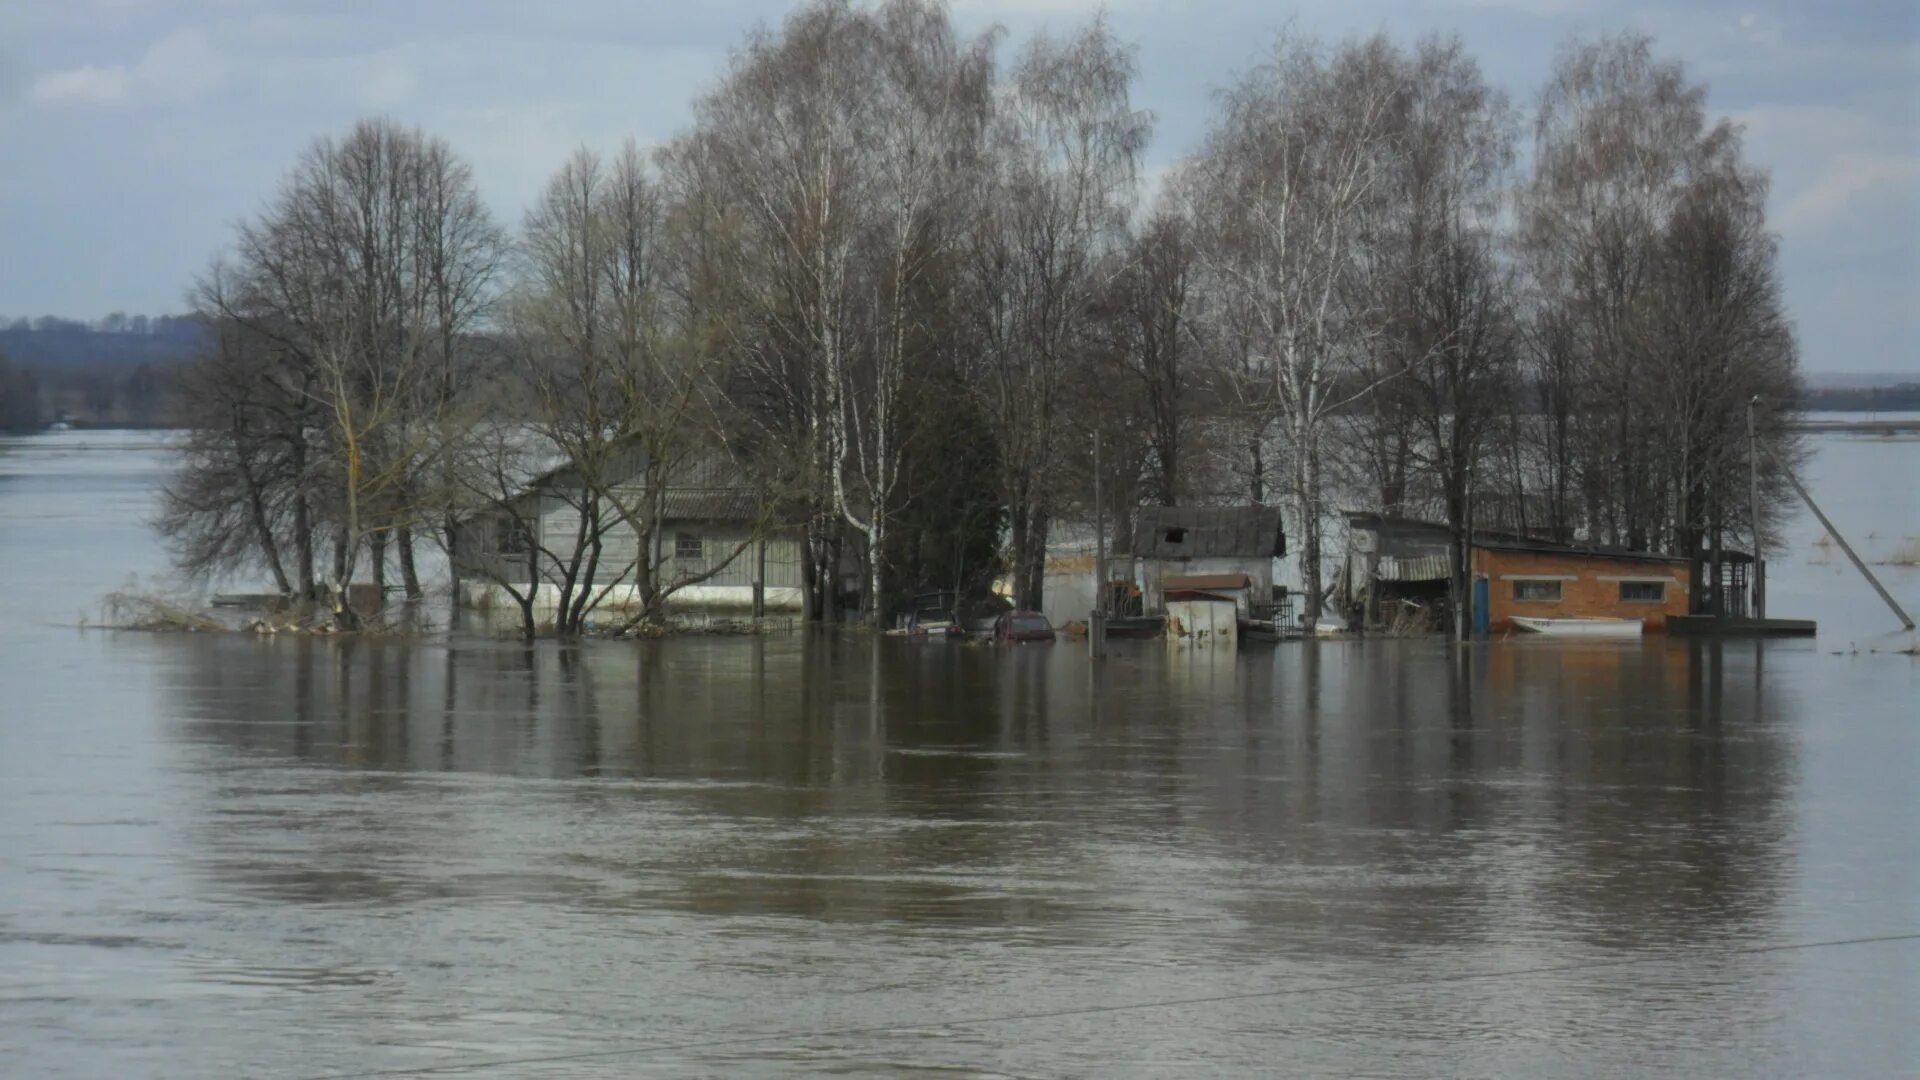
{"x": 1412, "y": 568}
{"x": 1190, "y": 532}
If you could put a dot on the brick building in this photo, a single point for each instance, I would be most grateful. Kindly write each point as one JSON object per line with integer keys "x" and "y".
{"x": 1558, "y": 582}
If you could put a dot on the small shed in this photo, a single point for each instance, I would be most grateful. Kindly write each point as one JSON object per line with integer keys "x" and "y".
{"x": 1197, "y": 618}
{"x": 1394, "y": 567}
{"x": 1226, "y": 551}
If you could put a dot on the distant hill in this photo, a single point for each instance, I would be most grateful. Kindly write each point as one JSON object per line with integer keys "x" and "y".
{"x": 1902, "y": 397}
{"x": 117, "y": 341}
{"x": 1856, "y": 380}
{"x": 114, "y": 371}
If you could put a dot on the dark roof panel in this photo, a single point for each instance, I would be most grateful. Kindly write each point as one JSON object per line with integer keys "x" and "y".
{"x": 713, "y": 504}
{"x": 1199, "y": 532}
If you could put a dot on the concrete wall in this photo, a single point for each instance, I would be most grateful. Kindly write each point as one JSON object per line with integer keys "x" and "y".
{"x": 706, "y": 598}
{"x": 1589, "y": 586}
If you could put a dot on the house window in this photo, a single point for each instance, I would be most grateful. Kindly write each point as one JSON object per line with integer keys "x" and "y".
{"x": 1546, "y": 591}
{"x": 689, "y": 547}
{"x": 1176, "y": 535}
{"x": 1651, "y": 592}
{"x": 511, "y": 537}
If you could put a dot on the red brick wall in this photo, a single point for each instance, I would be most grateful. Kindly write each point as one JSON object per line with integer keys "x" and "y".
{"x": 1585, "y": 596}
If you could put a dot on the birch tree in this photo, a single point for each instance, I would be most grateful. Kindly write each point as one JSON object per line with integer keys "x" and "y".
{"x": 1655, "y": 299}
{"x": 1437, "y": 287}
{"x": 1065, "y": 145}
{"x": 1285, "y": 176}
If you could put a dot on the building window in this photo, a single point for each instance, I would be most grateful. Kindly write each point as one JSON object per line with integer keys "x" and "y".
{"x": 1651, "y": 592}
{"x": 689, "y": 547}
{"x": 1176, "y": 535}
{"x": 1547, "y": 591}
{"x": 511, "y": 537}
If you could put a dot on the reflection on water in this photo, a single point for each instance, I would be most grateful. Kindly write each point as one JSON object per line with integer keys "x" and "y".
{"x": 289, "y": 856}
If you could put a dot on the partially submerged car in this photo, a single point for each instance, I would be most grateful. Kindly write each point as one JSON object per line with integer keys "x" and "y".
{"x": 1022, "y": 626}
{"x": 929, "y": 613}
{"x": 946, "y": 612}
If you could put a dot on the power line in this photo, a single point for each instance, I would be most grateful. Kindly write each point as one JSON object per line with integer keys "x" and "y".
{"x": 1094, "y": 1010}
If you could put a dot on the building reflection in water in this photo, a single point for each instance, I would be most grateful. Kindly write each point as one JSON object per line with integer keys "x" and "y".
{"x": 1359, "y": 797}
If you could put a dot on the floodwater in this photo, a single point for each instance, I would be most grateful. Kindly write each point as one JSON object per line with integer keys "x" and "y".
{"x": 802, "y": 855}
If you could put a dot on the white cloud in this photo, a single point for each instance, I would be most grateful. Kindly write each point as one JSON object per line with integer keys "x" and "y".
{"x": 1852, "y": 169}
{"x": 179, "y": 67}
{"x": 87, "y": 85}
{"x": 1850, "y": 186}
{"x": 1760, "y": 29}
{"x": 385, "y": 80}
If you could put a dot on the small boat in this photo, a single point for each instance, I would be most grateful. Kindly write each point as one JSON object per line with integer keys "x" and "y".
{"x": 1587, "y": 628}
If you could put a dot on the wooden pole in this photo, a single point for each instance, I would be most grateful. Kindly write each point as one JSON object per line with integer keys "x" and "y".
{"x": 759, "y": 572}
{"x": 1097, "y": 618}
{"x": 1758, "y": 582}
{"x": 1905, "y": 619}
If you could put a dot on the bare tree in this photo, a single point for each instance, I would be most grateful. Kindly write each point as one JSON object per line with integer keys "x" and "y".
{"x": 1051, "y": 221}
{"x": 359, "y": 278}
{"x": 1436, "y": 288}
{"x": 1285, "y": 178}
{"x": 233, "y": 500}
{"x": 1154, "y": 314}
{"x": 1656, "y": 311}
{"x": 621, "y": 379}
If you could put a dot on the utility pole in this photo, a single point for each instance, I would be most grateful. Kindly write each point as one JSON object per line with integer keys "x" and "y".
{"x": 1905, "y": 619}
{"x": 1759, "y": 568}
{"x": 1461, "y": 576}
{"x": 1097, "y": 618}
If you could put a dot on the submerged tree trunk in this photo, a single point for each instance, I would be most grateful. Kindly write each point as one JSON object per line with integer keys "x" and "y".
{"x": 263, "y": 531}
{"x": 377, "y": 560}
{"x": 1306, "y": 498}
{"x": 409, "y": 574}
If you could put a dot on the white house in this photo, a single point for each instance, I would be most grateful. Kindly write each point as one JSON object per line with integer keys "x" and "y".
{"x": 715, "y": 531}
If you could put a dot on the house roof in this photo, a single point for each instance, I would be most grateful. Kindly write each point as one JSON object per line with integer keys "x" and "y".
{"x": 1541, "y": 547}
{"x": 711, "y": 504}
{"x": 704, "y": 487}
{"x": 1189, "y": 532}
{"x": 1492, "y": 541}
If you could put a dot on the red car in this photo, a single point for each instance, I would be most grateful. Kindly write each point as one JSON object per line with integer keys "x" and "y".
{"x": 1019, "y": 626}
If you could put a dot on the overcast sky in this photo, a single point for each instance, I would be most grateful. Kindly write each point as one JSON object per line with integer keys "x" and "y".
{"x": 133, "y": 133}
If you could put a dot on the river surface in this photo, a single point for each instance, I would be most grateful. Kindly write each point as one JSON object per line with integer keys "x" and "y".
{"x": 810, "y": 855}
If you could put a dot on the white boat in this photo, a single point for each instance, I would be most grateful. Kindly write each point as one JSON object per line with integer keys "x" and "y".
{"x": 1592, "y": 628}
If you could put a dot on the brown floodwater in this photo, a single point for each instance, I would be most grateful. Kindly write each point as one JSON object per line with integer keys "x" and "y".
{"x": 815, "y": 854}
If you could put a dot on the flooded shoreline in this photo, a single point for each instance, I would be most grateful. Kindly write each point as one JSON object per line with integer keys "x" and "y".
{"x": 795, "y": 854}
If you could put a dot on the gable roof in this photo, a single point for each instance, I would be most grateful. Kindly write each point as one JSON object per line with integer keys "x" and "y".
{"x": 1190, "y": 532}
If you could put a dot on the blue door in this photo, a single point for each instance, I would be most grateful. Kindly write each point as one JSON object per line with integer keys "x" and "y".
{"x": 1479, "y": 607}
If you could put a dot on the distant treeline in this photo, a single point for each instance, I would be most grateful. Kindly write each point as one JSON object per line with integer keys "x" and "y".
{"x": 113, "y": 371}
{"x": 1905, "y": 397}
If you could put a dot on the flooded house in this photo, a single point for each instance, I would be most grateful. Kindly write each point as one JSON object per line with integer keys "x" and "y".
{"x": 715, "y": 533}
{"x": 1227, "y": 551}
{"x": 1538, "y": 579}
{"x": 1397, "y": 570}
